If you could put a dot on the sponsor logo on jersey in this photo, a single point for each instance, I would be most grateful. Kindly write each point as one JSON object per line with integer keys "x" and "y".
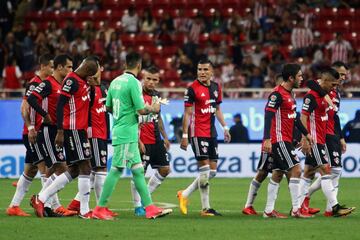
{"x": 210, "y": 101}
{"x": 292, "y": 115}
{"x": 209, "y": 109}
{"x": 100, "y": 110}
{"x": 324, "y": 118}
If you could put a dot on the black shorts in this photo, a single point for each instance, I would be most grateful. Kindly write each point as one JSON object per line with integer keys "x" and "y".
{"x": 33, "y": 153}
{"x": 318, "y": 156}
{"x": 284, "y": 156}
{"x": 333, "y": 150}
{"x": 77, "y": 146}
{"x": 99, "y": 152}
{"x": 51, "y": 153}
{"x": 266, "y": 162}
{"x": 205, "y": 148}
{"x": 156, "y": 155}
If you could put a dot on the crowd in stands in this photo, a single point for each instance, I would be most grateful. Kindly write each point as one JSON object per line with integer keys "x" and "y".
{"x": 248, "y": 41}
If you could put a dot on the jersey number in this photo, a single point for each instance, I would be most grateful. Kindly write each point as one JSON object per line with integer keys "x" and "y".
{"x": 116, "y": 108}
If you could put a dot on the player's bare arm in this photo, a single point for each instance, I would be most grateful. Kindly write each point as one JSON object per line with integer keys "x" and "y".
{"x": 220, "y": 118}
{"x": 163, "y": 133}
{"x": 305, "y": 144}
{"x": 185, "y": 125}
{"x": 26, "y": 117}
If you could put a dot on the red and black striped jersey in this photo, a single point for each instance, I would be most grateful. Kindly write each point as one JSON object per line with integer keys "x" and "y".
{"x": 76, "y": 110}
{"x": 35, "y": 118}
{"x": 335, "y": 98}
{"x": 98, "y": 124}
{"x": 283, "y": 104}
{"x": 315, "y": 107}
{"x": 49, "y": 92}
{"x": 205, "y": 100}
{"x": 149, "y": 131}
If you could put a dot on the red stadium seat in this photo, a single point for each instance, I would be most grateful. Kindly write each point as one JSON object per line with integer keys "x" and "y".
{"x": 179, "y": 39}
{"x": 198, "y": 4}
{"x": 142, "y": 4}
{"x": 178, "y": 4}
{"x": 145, "y": 39}
{"x": 169, "y": 51}
{"x": 128, "y": 39}
{"x": 230, "y": 3}
{"x": 171, "y": 75}
{"x": 163, "y": 63}
{"x": 157, "y": 4}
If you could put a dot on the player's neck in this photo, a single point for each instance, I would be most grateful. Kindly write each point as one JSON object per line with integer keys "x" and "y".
{"x": 132, "y": 71}
{"x": 42, "y": 75}
{"x": 57, "y": 77}
{"x": 287, "y": 85}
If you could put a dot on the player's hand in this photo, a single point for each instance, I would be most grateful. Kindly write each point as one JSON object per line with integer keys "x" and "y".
{"x": 155, "y": 107}
{"x": 47, "y": 120}
{"x": 32, "y": 136}
{"x": 309, "y": 139}
{"x": 343, "y": 145}
{"x": 184, "y": 143}
{"x": 167, "y": 144}
{"x": 267, "y": 146}
{"x": 59, "y": 139}
{"x": 305, "y": 147}
{"x": 227, "y": 136}
{"x": 142, "y": 148}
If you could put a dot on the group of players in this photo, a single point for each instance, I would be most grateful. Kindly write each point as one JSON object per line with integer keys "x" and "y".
{"x": 66, "y": 111}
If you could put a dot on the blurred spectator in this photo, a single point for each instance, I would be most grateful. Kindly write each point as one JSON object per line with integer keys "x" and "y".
{"x": 70, "y": 31}
{"x": 147, "y": 61}
{"x": 238, "y": 132}
{"x": 7, "y": 12}
{"x": 252, "y": 28}
{"x": 76, "y": 56}
{"x": 301, "y": 39}
{"x": 269, "y": 20}
{"x": 339, "y": 49}
{"x": 114, "y": 47}
{"x": 216, "y": 23}
{"x": 130, "y": 21}
{"x": 247, "y": 66}
{"x": 63, "y": 45}
{"x": 19, "y": 32}
{"x": 12, "y": 48}
{"x": 28, "y": 59}
{"x": 227, "y": 70}
{"x": 53, "y": 32}
{"x": 98, "y": 46}
{"x": 306, "y": 14}
{"x": 256, "y": 80}
{"x": 107, "y": 31}
{"x": 74, "y": 5}
{"x": 168, "y": 20}
{"x": 197, "y": 26}
{"x": 187, "y": 69}
{"x": 11, "y": 75}
{"x": 259, "y": 9}
{"x": 163, "y": 37}
{"x": 181, "y": 22}
{"x": 257, "y": 55}
{"x": 237, "y": 81}
{"x": 148, "y": 23}
{"x": 217, "y": 76}
{"x": 79, "y": 43}
{"x": 351, "y": 130}
{"x": 89, "y": 31}
{"x": 89, "y": 5}
{"x": 236, "y": 38}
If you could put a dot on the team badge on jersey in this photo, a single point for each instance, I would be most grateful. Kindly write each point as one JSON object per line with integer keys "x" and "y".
{"x": 216, "y": 94}
{"x": 306, "y": 104}
{"x": 272, "y": 101}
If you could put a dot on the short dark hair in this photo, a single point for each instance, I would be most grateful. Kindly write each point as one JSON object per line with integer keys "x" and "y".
{"x": 290, "y": 70}
{"x": 61, "y": 60}
{"x": 205, "y": 61}
{"x": 152, "y": 69}
{"x": 45, "y": 59}
{"x": 91, "y": 65}
{"x": 132, "y": 59}
{"x": 339, "y": 64}
{"x": 331, "y": 71}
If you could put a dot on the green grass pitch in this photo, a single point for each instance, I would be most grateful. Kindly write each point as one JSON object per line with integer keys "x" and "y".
{"x": 227, "y": 196}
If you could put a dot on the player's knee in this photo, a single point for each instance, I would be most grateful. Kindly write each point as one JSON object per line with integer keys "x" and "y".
{"x": 277, "y": 176}
{"x": 164, "y": 171}
{"x": 137, "y": 169}
{"x": 261, "y": 176}
{"x": 31, "y": 171}
{"x": 74, "y": 171}
{"x": 59, "y": 168}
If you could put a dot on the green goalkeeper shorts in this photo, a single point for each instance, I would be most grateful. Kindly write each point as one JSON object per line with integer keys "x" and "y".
{"x": 126, "y": 155}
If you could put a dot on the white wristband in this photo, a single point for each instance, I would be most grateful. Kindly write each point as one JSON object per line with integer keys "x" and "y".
{"x": 226, "y": 128}
{"x": 185, "y": 135}
{"x": 30, "y": 128}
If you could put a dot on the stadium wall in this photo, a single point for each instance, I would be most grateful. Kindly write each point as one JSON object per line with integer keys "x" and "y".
{"x": 235, "y": 160}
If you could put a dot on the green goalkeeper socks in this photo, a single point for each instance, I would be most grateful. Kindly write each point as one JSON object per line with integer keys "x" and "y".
{"x": 109, "y": 186}
{"x": 141, "y": 187}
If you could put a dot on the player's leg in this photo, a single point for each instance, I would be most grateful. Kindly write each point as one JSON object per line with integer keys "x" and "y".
{"x": 261, "y": 174}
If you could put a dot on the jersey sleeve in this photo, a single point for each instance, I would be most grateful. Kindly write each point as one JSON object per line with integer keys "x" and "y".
{"x": 219, "y": 97}
{"x": 42, "y": 90}
{"x": 314, "y": 85}
{"x": 30, "y": 88}
{"x": 309, "y": 104}
{"x": 274, "y": 102}
{"x": 189, "y": 97}
{"x": 108, "y": 102}
{"x": 136, "y": 95}
{"x": 69, "y": 87}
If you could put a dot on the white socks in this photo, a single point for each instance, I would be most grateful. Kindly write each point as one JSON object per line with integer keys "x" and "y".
{"x": 43, "y": 179}
{"x": 294, "y": 186}
{"x": 194, "y": 185}
{"x": 135, "y": 195}
{"x": 58, "y": 184}
{"x": 98, "y": 184}
{"x": 22, "y": 187}
{"x": 316, "y": 185}
{"x": 254, "y": 187}
{"x": 84, "y": 192}
{"x": 203, "y": 185}
{"x": 336, "y": 174}
{"x": 155, "y": 181}
{"x": 304, "y": 189}
{"x": 273, "y": 189}
{"x": 328, "y": 189}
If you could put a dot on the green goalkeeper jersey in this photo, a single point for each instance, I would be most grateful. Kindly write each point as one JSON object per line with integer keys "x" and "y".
{"x": 125, "y": 98}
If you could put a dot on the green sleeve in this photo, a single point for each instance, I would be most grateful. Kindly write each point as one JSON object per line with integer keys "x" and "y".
{"x": 136, "y": 95}
{"x": 109, "y": 99}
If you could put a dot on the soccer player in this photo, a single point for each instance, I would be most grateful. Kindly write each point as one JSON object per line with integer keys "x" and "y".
{"x": 314, "y": 116}
{"x": 280, "y": 118}
{"x": 34, "y": 160}
{"x": 72, "y": 122}
{"x": 335, "y": 142}
{"x": 98, "y": 135}
{"x": 48, "y": 93}
{"x": 153, "y": 149}
{"x": 125, "y": 102}
{"x": 202, "y": 105}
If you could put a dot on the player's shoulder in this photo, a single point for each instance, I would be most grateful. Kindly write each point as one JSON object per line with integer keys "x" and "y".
{"x": 156, "y": 93}
{"x": 214, "y": 84}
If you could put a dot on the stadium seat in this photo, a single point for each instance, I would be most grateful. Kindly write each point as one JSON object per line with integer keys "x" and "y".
{"x": 157, "y": 4}
{"x": 142, "y": 4}
{"x": 178, "y": 4}
{"x": 128, "y": 39}
{"x": 163, "y": 63}
{"x": 169, "y": 51}
{"x": 145, "y": 39}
